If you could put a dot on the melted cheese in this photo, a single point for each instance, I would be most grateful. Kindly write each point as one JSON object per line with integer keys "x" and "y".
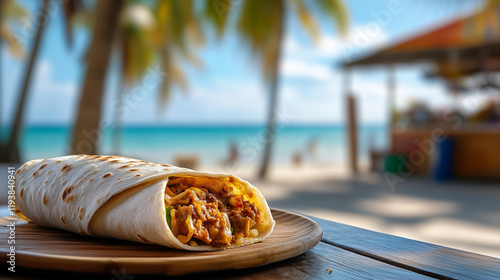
{"x": 184, "y": 238}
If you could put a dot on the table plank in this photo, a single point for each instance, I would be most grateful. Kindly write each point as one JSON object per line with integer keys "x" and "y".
{"x": 424, "y": 258}
{"x": 348, "y": 265}
{"x": 313, "y": 264}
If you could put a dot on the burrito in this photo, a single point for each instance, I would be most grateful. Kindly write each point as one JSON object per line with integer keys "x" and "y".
{"x": 129, "y": 199}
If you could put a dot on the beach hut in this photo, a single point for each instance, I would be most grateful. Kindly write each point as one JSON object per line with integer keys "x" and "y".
{"x": 460, "y": 48}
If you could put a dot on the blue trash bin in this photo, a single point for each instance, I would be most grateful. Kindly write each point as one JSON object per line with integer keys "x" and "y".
{"x": 444, "y": 161}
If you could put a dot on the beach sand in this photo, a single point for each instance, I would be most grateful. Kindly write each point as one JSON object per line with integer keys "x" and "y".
{"x": 462, "y": 215}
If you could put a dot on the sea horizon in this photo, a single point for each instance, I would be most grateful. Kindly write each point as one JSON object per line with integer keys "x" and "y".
{"x": 204, "y": 125}
{"x": 211, "y": 143}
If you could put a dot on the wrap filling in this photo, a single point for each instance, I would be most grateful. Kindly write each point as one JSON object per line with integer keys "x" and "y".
{"x": 206, "y": 211}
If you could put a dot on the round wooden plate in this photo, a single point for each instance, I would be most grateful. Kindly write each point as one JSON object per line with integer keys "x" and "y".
{"x": 54, "y": 249}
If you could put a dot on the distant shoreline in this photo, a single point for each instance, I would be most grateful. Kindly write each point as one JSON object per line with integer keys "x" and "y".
{"x": 211, "y": 144}
{"x": 205, "y": 126}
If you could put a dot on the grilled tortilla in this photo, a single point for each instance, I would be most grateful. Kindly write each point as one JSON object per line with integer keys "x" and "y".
{"x": 117, "y": 197}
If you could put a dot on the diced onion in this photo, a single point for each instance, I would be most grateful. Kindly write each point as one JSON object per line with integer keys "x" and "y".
{"x": 238, "y": 241}
{"x": 254, "y": 232}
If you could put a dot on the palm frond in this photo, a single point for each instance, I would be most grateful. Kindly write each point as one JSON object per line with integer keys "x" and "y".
{"x": 14, "y": 45}
{"x": 261, "y": 26}
{"x": 135, "y": 43}
{"x": 71, "y": 9}
{"x": 217, "y": 13}
{"x": 306, "y": 18}
{"x": 178, "y": 30}
{"x": 179, "y": 78}
{"x": 336, "y": 11}
{"x": 12, "y": 11}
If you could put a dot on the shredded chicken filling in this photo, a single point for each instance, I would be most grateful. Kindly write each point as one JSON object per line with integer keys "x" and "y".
{"x": 198, "y": 216}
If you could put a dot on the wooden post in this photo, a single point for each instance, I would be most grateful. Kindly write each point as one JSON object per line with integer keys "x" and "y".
{"x": 352, "y": 134}
{"x": 391, "y": 94}
{"x": 352, "y": 137}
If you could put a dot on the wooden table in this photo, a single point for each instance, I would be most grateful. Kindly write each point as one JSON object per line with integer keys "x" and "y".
{"x": 350, "y": 253}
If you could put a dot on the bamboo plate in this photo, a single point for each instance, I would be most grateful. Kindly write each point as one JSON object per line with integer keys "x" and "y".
{"x": 54, "y": 249}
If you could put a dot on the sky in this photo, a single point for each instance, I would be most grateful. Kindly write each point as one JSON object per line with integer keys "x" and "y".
{"x": 229, "y": 88}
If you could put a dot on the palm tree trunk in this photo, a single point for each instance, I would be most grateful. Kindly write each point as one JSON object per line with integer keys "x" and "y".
{"x": 1, "y": 105}
{"x": 12, "y": 149}
{"x": 273, "y": 100}
{"x": 86, "y": 133}
{"x": 117, "y": 120}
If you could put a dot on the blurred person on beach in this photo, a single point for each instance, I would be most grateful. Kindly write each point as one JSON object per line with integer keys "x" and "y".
{"x": 234, "y": 154}
{"x": 312, "y": 148}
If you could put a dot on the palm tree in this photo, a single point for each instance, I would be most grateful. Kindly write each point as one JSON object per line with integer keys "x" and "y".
{"x": 11, "y": 152}
{"x": 1, "y": 28}
{"x": 86, "y": 129}
{"x": 261, "y": 25}
{"x": 10, "y": 10}
{"x": 178, "y": 28}
{"x": 166, "y": 40}
{"x": 136, "y": 56}
{"x": 161, "y": 33}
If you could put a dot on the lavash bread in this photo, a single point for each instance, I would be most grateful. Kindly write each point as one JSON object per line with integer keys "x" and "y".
{"x": 112, "y": 196}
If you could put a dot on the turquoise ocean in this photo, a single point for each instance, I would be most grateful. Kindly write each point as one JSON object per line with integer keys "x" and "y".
{"x": 211, "y": 143}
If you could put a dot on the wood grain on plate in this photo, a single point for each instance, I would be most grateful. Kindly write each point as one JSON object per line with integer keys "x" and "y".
{"x": 47, "y": 248}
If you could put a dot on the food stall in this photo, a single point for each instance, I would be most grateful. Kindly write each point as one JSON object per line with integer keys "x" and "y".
{"x": 469, "y": 143}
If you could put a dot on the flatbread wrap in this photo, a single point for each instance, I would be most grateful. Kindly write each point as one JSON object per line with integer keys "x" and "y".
{"x": 129, "y": 199}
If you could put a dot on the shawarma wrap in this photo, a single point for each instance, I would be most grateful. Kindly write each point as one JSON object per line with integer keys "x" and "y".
{"x": 124, "y": 198}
